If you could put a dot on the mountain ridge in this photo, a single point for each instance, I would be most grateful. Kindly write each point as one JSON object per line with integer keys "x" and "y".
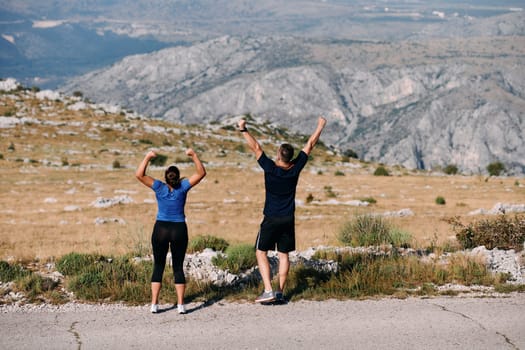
{"x": 417, "y": 104}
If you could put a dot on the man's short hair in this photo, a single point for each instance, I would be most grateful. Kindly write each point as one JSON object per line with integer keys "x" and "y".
{"x": 286, "y": 152}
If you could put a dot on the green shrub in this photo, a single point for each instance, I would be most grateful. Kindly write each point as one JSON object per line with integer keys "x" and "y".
{"x": 399, "y": 238}
{"x": 339, "y": 173}
{"x": 350, "y": 154}
{"x": 34, "y": 285}
{"x": 361, "y": 275}
{"x": 104, "y": 278}
{"x": 201, "y": 242}
{"x": 146, "y": 141}
{"x": 495, "y": 169}
{"x": 309, "y": 198}
{"x": 116, "y": 164}
{"x": 367, "y": 230}
{"x": 236, "y": 258}
{"x": 451, "y": 169}
{"x": 368, "y": 200}
{"x": 381, "y": 171}
{"x": 503, "y": 232}
{"x": 74, "y": 263}
{"x": 440, "y": 200}
{"x": 10, "y": 272}
{"x": 329, "y": 193}
{"x": 159, "y": 160}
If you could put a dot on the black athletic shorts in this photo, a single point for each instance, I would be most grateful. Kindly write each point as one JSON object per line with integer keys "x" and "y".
{"x": 276, "y": 231}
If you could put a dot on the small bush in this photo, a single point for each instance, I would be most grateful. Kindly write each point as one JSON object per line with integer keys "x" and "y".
{"x": 502, "y": 232}
{"x": 339, "y": 173}
{"x": 159, "y": 160}
{"x": 309, "y": 198}
{"x": 116, "y": 164}
{"x": 451, "y": 169}
{"x": 34, "y": 285}
{"x": 381, "y": 171}
{"x": 236, "y": 258}
{"x": 495, "y": 169}
{"x": 329, "y": 193}
{"x": 350, "y": 154}
{"x": 11, "y": 147}
{"x": 369, "y": 200}
{"x": 146, "y": 141}
{"x": 367, "y": 230}
{"x": 10, "y": 272}
{"x": 105, "y": 278}
{"x": 440, "y": 200}
{"x": 399, "y": 238}
{"x": 363, "y": 274}
{"x": 202, "y": 242}
{"x": 74, "y": 263}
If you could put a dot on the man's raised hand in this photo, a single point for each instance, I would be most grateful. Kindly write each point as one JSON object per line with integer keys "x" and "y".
{"x": 242, "y": 124}
{"x": 190, "y": 152}
{"x": 321, "y": 121}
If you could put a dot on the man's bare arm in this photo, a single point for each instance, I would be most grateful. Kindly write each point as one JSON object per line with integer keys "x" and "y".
{"x": 252, "y": 142}
{"x": 312, "y": 141}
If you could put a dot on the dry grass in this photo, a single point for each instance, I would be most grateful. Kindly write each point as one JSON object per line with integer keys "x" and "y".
{"x": 38, "y": 192}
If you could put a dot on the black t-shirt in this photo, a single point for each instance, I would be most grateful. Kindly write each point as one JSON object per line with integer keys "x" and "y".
{"x": 280, "y": 185}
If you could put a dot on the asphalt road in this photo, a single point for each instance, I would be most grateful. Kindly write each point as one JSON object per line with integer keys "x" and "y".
{"x": 414, "y": 323}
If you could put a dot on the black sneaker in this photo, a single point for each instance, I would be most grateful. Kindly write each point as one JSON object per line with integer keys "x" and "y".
{"x": 279, "y": 297}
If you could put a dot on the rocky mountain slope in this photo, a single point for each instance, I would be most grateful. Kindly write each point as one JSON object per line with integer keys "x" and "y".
{"x": 420, "y": 104}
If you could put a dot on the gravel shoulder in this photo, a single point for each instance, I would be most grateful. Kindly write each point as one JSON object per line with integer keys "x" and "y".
{"x": 429, "y": 323}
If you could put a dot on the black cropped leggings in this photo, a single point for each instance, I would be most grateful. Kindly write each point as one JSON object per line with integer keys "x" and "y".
{"x": 167, "y": 235}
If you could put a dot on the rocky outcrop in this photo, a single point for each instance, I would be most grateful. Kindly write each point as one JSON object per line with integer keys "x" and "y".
{"x": 418, "y": 104}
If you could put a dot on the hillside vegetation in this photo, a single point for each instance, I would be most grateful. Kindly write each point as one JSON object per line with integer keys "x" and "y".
{"x": 67, "y": 182}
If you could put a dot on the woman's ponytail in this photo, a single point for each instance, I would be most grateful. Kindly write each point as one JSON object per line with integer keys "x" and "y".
{"x": 172, "y": 176}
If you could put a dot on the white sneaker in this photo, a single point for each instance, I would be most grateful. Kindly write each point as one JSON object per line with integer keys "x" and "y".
{"x": 181, "y": 308}
{"x": 154, "y": 308}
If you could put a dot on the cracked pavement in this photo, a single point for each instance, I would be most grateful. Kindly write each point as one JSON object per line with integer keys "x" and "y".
{"x": 413, "y": 323}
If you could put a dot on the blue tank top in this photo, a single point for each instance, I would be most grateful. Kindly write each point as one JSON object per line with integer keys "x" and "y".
{"x": 170, "y": 204}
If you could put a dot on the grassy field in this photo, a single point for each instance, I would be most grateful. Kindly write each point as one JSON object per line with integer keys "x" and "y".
{"x": 57, "y": 162}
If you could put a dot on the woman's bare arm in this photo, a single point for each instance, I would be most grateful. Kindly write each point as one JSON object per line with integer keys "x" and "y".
{"x": 200, "y": 170}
